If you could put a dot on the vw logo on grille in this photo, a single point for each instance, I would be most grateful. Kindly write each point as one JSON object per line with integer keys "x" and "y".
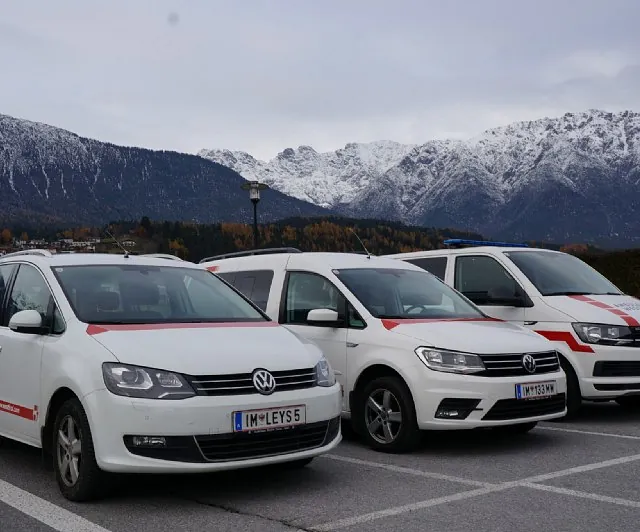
{"x": 264, "y": 382}
{"x": 529, "y": 363}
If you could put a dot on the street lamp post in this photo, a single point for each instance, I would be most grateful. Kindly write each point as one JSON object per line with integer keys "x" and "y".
{"x": 254, "y": 188}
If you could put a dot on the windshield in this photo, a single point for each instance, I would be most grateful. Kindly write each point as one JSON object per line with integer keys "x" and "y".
{"x": 133, "y": 294}
{"x": 398, "y": 293}
{"x": 561, "y": 274}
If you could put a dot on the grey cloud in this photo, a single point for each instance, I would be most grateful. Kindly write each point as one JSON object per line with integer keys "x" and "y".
{"x": 264, "y": 75}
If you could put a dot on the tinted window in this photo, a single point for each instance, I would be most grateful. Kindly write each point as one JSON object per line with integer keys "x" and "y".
{"x": 255, "y": 285}
{"x": 5, "y": 274}
{"x": 484, "y": 280}
{"x": 29, "y": 292}
{"x": 307, "y": 291}
{"x": 561, "y": 274}
{"x": 151, "y": 294}
{"x": 435, "y": 265}
{"x": 399, "y": 293}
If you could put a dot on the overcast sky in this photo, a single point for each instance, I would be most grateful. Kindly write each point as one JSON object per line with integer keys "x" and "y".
{"x": 261, "y": 76}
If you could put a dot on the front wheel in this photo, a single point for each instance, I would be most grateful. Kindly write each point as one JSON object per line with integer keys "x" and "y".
{"x": 574, "y": 395}
{"x": 386, "y": 416}
{"x": 77, "y": 472}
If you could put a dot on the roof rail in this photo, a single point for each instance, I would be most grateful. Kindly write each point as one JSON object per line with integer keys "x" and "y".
{"x": 161, "y": 256}
{"x": 460, "y": 242}
{"x": 40, "y": 252}
{"x": 266, "y": 251}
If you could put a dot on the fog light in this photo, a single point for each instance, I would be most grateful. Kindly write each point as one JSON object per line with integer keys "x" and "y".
{"x": 451, "y": 414}
{"x": 456, "y": 408}
{"x": 149, "y": 441}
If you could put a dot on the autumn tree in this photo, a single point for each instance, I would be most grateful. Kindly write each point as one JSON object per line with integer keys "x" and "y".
{"x": 6, "y": 236}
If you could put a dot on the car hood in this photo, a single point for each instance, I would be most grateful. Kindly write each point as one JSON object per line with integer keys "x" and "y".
{"x": 483, "y": 336}
{"x": 611, "y": 310}
{"x": 208, "y": 348}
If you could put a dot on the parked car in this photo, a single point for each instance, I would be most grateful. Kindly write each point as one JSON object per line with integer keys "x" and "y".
{"x": 593, "y": 324}
{"x": 133, "y": 364}
{"x": 410, "y": 352}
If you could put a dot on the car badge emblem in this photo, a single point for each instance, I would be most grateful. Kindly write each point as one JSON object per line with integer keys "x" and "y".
{"x": 529, "y": 363}
{"x": 264, "y": 382}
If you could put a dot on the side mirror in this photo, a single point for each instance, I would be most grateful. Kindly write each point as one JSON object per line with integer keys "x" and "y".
{"x": 26, "y": 321}
{"x": 323, "y": 316}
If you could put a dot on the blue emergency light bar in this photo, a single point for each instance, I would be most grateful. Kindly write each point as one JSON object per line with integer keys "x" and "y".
{"x": 462, "y": 242}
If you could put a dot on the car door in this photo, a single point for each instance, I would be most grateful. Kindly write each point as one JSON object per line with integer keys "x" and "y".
{"x": 306, "y": 291}
{"x": 21, "y": 355}
{"x": 487, "y": 283}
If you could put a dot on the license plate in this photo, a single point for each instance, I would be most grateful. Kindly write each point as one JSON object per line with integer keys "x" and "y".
{"x": 269, "y": 418}
{"x": 535, "y": 390}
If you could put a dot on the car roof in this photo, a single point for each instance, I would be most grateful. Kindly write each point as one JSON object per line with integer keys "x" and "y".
{"x": 471, "y": 250}
{"x": 310, "y": 261}
{"x": 46, "y": 258}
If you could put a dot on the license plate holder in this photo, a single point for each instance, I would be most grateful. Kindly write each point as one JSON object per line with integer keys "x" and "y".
{"x": 261, "y": 419}
{"x": 535, "y": 390}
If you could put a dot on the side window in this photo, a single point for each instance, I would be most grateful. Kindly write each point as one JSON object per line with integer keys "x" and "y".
{"x": 485, "y": 281}
{"x": 355, "y": 320}
{"x": 30, "y": 292}
{"x": 306, "y": 292}
{"x": 254, "y": 285}
{"x": 435, "y": 265}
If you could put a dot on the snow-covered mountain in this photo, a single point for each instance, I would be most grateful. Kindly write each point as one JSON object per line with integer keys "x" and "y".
{"x": 576, "y": 177}
{"x": 49, "y": 175}
{"x": 326, "y": 179}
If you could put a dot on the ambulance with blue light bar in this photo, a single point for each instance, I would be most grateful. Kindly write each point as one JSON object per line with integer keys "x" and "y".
{"x": 594, "y": 325}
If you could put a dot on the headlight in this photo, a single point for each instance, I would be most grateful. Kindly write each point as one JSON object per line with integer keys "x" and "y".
{"x": 449, "y": 361}
{"x": 146, "y": 383}
{"x": 324, "y": 373}
{"x": 594, "y": 333}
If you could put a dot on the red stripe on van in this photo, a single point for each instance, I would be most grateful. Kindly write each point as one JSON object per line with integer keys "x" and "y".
{"x": 97, "y": 329}
{"x": 20, "y": 411}
{"x": 567, "y": 338}
{"x": 629, "y": 320}
{"x": 393, "y": 323}
{"x": 213, "y": 268}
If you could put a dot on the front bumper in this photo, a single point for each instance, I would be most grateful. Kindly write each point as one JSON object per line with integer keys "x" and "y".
{"x": 198, "y": 432}
{"x": 486, "y": 401}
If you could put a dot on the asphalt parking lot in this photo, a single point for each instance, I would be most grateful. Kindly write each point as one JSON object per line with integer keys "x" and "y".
{"x": 583, "y": 475}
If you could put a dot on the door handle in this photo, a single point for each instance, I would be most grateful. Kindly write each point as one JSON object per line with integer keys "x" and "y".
{"x": 351, "y": 344}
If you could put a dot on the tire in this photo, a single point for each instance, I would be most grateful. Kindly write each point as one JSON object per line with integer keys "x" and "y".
{"x": 82, "y": 480}
{"x": 629, "y": 401}
{"x": 514, "y": 430}
{"x": 574, "y": 396}
{"x": 402, "y": 434}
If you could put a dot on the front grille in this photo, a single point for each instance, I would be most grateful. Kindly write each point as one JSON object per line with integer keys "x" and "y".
{"x": 510, "y": 365}
{"x": 617, "y": 368}
{"x": 242, "y": 383}
{"x": 523, "y": 408}
{"x": 242, "y": 446}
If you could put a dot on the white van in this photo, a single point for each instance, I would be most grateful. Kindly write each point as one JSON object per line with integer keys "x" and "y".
{"x": 410, "y": 352}
{"x": 592, "y": 323}
{"x": 134, "y": 364}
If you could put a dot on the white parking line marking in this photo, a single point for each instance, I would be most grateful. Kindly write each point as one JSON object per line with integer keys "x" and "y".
{"x": 583, "y": 495}
{"x": 48, "y": 513}
{"x": 591, "y": 433}
{"x": 407, "y": 470}
{"x": 489, "y": 488}
{"x": 389, "y": 512}
{"x": 582, "y": 468}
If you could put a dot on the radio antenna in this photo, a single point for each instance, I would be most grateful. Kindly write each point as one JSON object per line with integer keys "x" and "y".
{"x": 361, "y": 243}
{"x": 126, "y": 253}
